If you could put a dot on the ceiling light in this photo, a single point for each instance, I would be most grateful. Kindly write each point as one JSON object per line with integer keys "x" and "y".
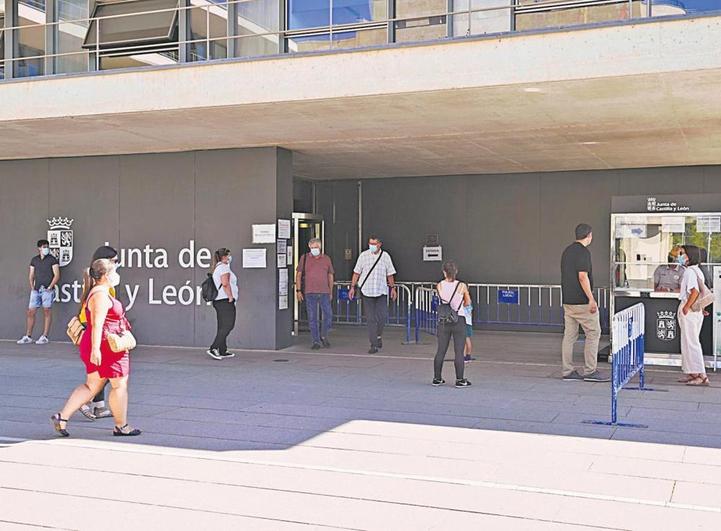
{"x": 591, "y": 143}
{"x": 532, "y": 89}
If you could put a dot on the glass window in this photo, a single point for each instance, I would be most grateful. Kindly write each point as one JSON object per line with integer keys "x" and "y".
{"x": 360, "y": 38}
{"x": 69, "y": 34}
{"x": 208, "y": 27}
{"x": 421, "y": 20}
{"x": 257, "y": 27}
{"x": 665, "y": 8}
{"x": 133, "y": 30}
{"x": 359, "y": 11}
{"x": 533, "y": 14}
{"x": 303, "y": 14}
{"x": 485, "y": 16}
{"x": 2, "y": 39}
{"x": 30, "y": 38}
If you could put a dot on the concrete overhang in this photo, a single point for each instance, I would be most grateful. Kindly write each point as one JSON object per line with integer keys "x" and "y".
{"x": 631, "y": 95}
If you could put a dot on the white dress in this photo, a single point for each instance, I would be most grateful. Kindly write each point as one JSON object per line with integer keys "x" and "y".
{"x": 690, "y": 324}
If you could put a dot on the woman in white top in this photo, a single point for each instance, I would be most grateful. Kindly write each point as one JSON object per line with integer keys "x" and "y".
{"x": 227, "y": 284}
{"x": 455, "y": 293}
{"x": 689, "y": 321}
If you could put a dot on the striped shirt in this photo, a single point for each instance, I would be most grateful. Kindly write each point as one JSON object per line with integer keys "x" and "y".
{"x": 377, "y": 283}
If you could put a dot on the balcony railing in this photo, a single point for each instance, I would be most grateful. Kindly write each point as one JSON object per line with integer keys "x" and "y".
{"x": 208, "y": 30}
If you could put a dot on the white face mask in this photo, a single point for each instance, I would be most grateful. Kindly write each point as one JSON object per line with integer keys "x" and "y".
{"x": 45, "y": 251}
{"x": 114, "y": 278}
{"x": 230, "y": 259}
{"x": 315, "y": 251}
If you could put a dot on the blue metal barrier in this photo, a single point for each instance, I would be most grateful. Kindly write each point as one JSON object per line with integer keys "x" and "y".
{"x": 627, "y": 357}
{"x": 426, "y": 311}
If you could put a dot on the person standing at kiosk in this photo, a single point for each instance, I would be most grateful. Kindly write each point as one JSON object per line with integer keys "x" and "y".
{"x": 580, "y": 307}
{"x": 690, "y": 321}
{"x": 668, "y": 277}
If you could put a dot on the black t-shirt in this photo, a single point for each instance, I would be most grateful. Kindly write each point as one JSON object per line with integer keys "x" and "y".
{"x": 43, "y": 270}
{"x": 575, "y": 258}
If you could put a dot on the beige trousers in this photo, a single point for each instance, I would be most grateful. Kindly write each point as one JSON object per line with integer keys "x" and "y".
{"x": 575, "y": 315}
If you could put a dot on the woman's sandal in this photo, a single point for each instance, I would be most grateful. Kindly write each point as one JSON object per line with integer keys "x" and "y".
{"x": 686, "y": 378}
{"x": 56, "y": 420}
{"x": 120, "y": 432}
{"x": 699, "y": 380}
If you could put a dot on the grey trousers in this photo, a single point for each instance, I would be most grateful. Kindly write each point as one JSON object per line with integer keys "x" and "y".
{"x": 376, "y": 312}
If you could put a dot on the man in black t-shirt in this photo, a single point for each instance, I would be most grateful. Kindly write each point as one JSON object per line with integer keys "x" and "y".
{"x": 580, "y": 307}
{"x": 43, "y": 277}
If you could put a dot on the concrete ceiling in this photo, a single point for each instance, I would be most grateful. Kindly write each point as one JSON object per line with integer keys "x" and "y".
{"x": 667, "y": 119}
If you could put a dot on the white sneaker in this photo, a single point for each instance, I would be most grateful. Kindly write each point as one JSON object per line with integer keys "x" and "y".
{"x": 42, "y": 340}
{"x": 25, "y": 340}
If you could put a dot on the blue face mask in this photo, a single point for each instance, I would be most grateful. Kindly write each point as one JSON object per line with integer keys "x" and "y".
{"x": 315, "y": 251}
{"x": 373, "y": 248}
{"x": 45, "y": 251}
{"x": 681, "y": 259}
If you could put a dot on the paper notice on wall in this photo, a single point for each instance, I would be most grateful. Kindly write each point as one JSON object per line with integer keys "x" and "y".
{"x": 708, "y": 224}
{"x": 264, "y": 233}
{"x": 284, "y": 228}
{"x": 283, "y": 281}
{"x": 254, "y": 258}
{"x": 283, "y": 289}
{"x": 280, "y": 260}
{"x": 289, "y": 252}
{"x": 675, "y": 224}
{"x": 282, "y": 245}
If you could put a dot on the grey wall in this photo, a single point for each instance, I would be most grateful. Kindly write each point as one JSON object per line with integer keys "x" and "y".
{"x": 164, "y": 200}
{"x": 499, "y": 228}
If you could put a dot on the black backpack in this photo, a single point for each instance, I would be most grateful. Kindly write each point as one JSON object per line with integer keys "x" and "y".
{"x": 208, "y": 290}
{"x": 446, "y": 314}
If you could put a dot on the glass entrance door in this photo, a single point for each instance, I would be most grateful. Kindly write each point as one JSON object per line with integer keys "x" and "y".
{"x": 305, "y": 227}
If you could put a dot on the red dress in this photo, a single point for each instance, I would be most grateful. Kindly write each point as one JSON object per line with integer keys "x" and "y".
{"x": 113, "y": 364}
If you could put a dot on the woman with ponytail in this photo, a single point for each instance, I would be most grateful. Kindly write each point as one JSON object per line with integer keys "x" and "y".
{"x": 105, "y": 316}
{"x": 227, "y": 285}
{"x": 96, "y": 408}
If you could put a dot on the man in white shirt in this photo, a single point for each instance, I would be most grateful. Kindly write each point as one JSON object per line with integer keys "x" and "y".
{"x": 374, "y": 274}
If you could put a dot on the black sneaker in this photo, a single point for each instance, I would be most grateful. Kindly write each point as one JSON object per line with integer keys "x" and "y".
{"x": 463, "y": 383}
{"x": 325, "y": 342}
{"x": 573, "y": 377}
{"x": 380, "y": 342}
{"x": 227, "y": 355}
{"x": 437, "y": 381}
{"x": 596, "y": 376}
{"x": 372, "y": 350}
{"x": 315, "y": 346}
{"x": 213, "y": 353}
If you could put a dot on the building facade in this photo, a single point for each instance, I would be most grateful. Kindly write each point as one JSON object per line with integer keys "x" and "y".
{"x": 168, "y": 129}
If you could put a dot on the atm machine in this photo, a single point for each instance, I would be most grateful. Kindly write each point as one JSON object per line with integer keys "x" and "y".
{"x": 643, "y": 232}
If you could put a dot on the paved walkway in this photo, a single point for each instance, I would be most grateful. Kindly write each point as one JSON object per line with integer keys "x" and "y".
{"x": 301, "y": 439}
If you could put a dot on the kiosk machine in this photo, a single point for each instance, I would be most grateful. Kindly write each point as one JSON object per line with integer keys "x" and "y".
{"x": 645, "y": 235}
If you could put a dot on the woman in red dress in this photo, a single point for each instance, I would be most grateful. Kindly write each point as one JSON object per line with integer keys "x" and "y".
{"x": 105, "y": 315}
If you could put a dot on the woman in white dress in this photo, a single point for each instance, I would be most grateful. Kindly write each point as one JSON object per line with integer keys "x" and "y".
{"x": 690, "y": 322}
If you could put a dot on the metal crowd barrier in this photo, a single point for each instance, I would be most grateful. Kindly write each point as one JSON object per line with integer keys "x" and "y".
{"x": 426, "y": 311}
{"x": 627, "y": 357}
{"x": 346, "y": 311}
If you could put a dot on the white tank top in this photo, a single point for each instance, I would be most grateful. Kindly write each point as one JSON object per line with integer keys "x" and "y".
{"x": 446, "y": 289}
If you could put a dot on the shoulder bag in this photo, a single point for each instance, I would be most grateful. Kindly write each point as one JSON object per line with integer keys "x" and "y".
{"x": 360, "y": 288}
{"x": 705, "y": 296}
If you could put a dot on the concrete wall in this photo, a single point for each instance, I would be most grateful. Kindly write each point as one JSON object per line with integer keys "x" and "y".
{"x": 160, "y": 200}
{"x": 499, "y": 228}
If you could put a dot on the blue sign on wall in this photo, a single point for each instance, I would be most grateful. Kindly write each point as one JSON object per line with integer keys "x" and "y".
{"x": 508, "y": 296}
{"x": 343, "y": 293}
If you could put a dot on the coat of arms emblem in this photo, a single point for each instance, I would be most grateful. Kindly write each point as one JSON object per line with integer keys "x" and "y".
{"x": 666, "y": 326}
{"x": 60, "y": 236}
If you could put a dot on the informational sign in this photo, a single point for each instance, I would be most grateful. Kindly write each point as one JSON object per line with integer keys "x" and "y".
{"x": 343, "y": 293}
{"x": 626, "y": 230}
{"x": 284, "y": 228}
{"x": 264, "y": 233}
{"x": 280, "y": 260}
{"x": 283, "y": 289}
{"x": 289, "y": 254}
{"x": 676, "y": 224}
{"x": 254, "y": 258}
{"x": 432, "y": 254}
{"x": 708, "y": 224}
{"x": 508, "y": 296}
{"x": 348, "y": 254}
{"x": 281, "y": 246}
